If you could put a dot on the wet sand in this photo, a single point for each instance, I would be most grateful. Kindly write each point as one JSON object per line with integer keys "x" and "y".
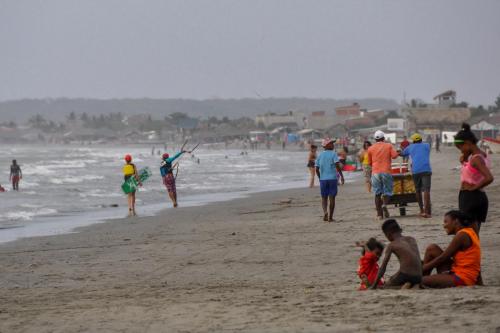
{"x": 266, "y": 263}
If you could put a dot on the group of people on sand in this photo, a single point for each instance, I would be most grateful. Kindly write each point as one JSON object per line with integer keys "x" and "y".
{"x": 377, "y": 167}
{"x": 167, "y": 168}
{"x": 457, "y": 265}
{"x": 15, "y": 176}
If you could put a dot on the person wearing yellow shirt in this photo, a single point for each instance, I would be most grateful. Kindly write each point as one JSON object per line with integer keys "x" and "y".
{"x": 129, "y": 170}
{"x": 365, "y": 164}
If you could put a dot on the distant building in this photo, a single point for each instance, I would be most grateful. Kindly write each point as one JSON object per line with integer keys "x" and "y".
{"x": 321, "y": 120}
{"x": 375, "y": 113}
{"x": 447, "y": 98}
{"x": 351, "y": 111}
{"x": 272, "y": 120}
{"x": 437, "y": 116}
{"x": 360, "y": 122}
{"x": 397, "y": 125}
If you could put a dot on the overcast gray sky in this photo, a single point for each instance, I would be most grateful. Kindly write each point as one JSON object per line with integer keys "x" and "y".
{"x": 232, "y": 49}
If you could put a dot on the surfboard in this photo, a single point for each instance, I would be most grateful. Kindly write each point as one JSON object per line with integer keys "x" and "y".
{"x": 131, "y": 184}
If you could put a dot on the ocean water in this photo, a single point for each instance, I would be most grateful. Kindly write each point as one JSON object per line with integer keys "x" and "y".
{"x": 64, "y": 187}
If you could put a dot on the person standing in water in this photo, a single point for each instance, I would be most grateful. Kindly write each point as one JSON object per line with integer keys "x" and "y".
{"x": 474, "y": 177}
{"x": 327, "y": 167}
{"x": 367, "y": 169}
{"x": 15, "y": 175}
{"x": 167, "y": 174}
{"x": 129, "y": 170}
{"x": 311, "y": 161}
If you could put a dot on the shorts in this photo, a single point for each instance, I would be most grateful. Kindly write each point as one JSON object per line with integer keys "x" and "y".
{"x": 328, "y": 187}
{"x": 422, "y": 181}
{"x": 474, "y": 204}
{"x": 311, "y": 164}
{"x": 400, "y": 279}
{"x": 169, "y": 182}
{"x": 457, "y": 281}
{"x": 382, "y": 184}
{"x": 15, "y": 179}
{"x": 367, "y": 173}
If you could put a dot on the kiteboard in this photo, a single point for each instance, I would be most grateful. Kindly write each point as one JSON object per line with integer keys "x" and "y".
{"x": 131, "y": 184}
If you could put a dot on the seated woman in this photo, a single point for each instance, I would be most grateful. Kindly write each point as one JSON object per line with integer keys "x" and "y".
{"x": 460, "y": 263}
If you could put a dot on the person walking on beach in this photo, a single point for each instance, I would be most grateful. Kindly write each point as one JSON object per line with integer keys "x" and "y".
{"x": 129, "y": 170}
{"x": 367, "y": 169}
{"x": 405, "y": 143}
{"x": 474, "y": 177}
{"x": 429, "y": 140}
{"x": 327, "y": 167}
{"x": 438, "y": 143}
{"x": 311, "y": 162}
{"x": 421, "y": 169}
{"x": 15, "y": 175}
{"x": 380, "y": 156}
{"x": 167, "y": 174}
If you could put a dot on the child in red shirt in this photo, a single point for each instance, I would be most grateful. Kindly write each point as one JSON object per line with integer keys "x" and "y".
{"x": 368, "y": 263}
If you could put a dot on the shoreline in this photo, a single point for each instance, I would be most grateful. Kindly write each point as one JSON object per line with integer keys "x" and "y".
{"x": 66, "y": 215}
{"x": 58, "y": 225}
{"x": 261, "y": 263}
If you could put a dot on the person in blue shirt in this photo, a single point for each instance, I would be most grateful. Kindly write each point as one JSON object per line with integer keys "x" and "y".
{"x": 421, "y": 168}
{"x": 167, "y": 174}
{"x": 327, "y": 166}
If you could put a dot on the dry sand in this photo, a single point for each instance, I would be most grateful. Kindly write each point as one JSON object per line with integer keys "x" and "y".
{"x": 262, "y": 264}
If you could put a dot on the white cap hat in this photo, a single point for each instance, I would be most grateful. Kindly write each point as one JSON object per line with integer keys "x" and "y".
{"x": 379, "y": 135}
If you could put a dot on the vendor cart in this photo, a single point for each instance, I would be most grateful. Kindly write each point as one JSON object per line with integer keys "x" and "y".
{"x": 403, "y": 187}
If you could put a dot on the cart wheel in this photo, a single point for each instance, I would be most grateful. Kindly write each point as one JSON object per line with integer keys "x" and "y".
{"x": 402, "y": 211}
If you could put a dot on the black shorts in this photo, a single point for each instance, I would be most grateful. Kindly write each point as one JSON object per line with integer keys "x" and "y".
{"x": 474, "y": 204}
{"x": 422, "y": 181}
{"x": 400, "y": 279}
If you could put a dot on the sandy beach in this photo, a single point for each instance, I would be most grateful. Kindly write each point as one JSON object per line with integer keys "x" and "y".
{"x": 266, "y": 263}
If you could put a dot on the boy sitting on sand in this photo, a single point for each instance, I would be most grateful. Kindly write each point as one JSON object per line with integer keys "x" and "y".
{"x": 368, "y": 263}
{"x": 406, "y": 249}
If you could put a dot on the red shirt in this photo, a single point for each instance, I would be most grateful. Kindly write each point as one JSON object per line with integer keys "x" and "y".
{"x": 368, "y": 265}
{"x": 405, "y": 143}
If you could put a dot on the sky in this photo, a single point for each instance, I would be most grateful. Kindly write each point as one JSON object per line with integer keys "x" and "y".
{"x": 258, "y": 48}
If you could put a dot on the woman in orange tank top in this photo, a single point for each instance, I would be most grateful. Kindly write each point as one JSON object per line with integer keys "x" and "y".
{"x": 460, "y": 263}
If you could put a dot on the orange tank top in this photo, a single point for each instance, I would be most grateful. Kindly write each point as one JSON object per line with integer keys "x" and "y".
{"x": 467, "y": 263}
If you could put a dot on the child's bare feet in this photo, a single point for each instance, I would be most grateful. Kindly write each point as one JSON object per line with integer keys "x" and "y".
{"x": 325, "y": 218}
{"x": 407, "y": 285}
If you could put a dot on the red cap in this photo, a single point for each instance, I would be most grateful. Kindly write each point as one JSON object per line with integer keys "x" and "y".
{"x": 164, "y": 156}
{"x": 128, "y": 158}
